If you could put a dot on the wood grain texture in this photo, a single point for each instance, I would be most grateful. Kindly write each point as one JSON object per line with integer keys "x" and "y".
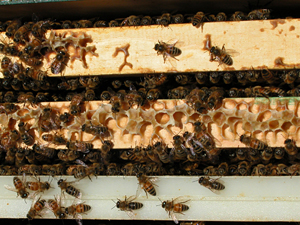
{"x": 258, "y": 43}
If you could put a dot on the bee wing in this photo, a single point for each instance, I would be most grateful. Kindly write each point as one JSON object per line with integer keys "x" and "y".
{"x": 153, "y": 180}
{"x": 172, "y": 215}
{"x": 232, "y": 52}
{"x": 131, "y": 214}
{"x": 131, "y": 198}
{"x": 33, "y": 195}
{"x": 78, "y": 218}
{"x": 10, "y": 188}
{"x": 139, "y": 190}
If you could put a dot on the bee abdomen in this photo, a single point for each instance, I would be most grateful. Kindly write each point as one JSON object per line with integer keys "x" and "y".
{"x": 227, "y": 60}
{"x": 72, "y": 191}
{"x": 175, "y": 51}
{"x": 150, "y": 189}
{"x": 180, "y": 207}
{"x": 135, "y": 205}
{"x": 83, "y": 208}
{"x": 217, "y": 186}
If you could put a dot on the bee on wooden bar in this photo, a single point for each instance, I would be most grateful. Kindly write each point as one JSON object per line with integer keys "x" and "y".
{"x": 146, "y": 20}
{"x": 54, "y": 139}
{"x": 212, "y": 184}
{"x": 39, "y": 28}
{"x": 46, "y": 151}
{"x": 279, "y": 153}
{"x": 19, "y": 187}
{"x": 13, "y": 27}
{"x": 184, "y": 79}
{"x": 221, "y": 16}
{"x": 36, "y": 207}
{"x": 167, "y": 50}
{"x": 290, "y": 147}
{"x": 131, "y": 21}
{"x": 267, "y": 154}
{"x": 201, "y": 77}
{"x": 113, "y": 23}
{"x": 53, "y": 170}
{"x": 68, "y": 155}
{"x": 65, "y": 117}
{"x": 146, "y": 183}
{"x": 178, "y": 18}
{"x": 238, "y": 16}
{"x": 59, "y": 62}
{"x": 260, "y": 170}
{"x": 128, "y": 205}
{"x": 21, "y": 35}
{"x": 68, "y": 188}
{"x": 222, "y": 169}
{"x": 96, "y": 130}
{"x": 75, "y": 211}
{"x": 38, "y": 186}
{"x": 179, "y": 151}
{"x": 76, "y": 103}
{"x": 161, "y": 150}
{"x": 100, "y": 23}
{"x": 269, "y": 76}
{"x": 173, "y": 207}
{"x": 253, "y": 142}
{"x": 82, "y": 24}
{"x": 113, "y": 169}
{"x": 153, "y": 95}
{"x": 55, "y": 206}
{"x": 36, "y": 74}
{"x": 243, "y": 168}
{"x": 259, "y": 14}
{"x": 198, "y": 20}
{"x": 164, "y": 19}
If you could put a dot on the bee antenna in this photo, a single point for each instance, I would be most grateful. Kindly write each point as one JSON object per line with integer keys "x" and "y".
{"x": 159, "y": 199}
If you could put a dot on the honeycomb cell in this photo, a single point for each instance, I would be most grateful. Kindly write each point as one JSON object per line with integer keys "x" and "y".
{"x": 242, "y": 106}
{"x": 229, "y": 104}
{"x": 254, "y": 108}
{"x": 206, "y": 119}
{"x": 286, "y": 127}
{"x": 146, "y": 130}
{"x": 159, "y": 105}
{"x": 232, "y": 120}
{"x": 287, "y": 115}
{"x": 264, "y": 116}
{"x": 264, "y": 126}
{"x": 122, "y": 120}
{"x": 225, "y": 132}
{"x": 274, "y": 124}
{"x": 180, "y": 119}
{"x": 131, "y": 127}
{"x": 247, "y": 127}
{"x": 162, "y": 118}
{"x": 296, "y": 121}
{"x": 219, "y": 118}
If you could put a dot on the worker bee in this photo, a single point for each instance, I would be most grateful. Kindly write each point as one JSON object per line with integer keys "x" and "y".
{"x": 36, "y": 207}
{"x": 146, "y": 183}
{"x": 221, "y": 55}
{"x": 30, "y": 61}
{"x": 80, "y": 146}
{"x": 39, "y": 28}
{"x": 236, "y": 92}
{"x": 178, "y": 93}
{"x": 221, "y": 16}
{"x": 21, "y": 35}
{"x": 294, "y": 169}
{"x": 222, "y": 169}
{"x": 270, "y": 77}
{"x": 290, "y": 147}
{"x": 75, "y": 105}
{"x": 9, "y": 97}
{"x": 53, "y": 170}
{"x": 167, "y": 50}
{"x": 198, "y": 20}
{"x": 94, "y": 129}
{"x": 184, "y": 79}
{"x": 164, "y": 19}
{"x": 55, "y": 139}
{"x": 38, "y": 185}
{"x": 214, "y": 77}
{"x": 66, "y": 24}
{"x": 116, "y": 104}
{"x": 113, "y": 169}
{"x": 59, "y": 62}
{"x": 212, "y": 184}
{"x": 113, "y": 23}
{"x": 47, "y": 121}
{"x": 68, "y": 188}
{"x": 12, "y": 28}
{"x": 100, "y": 23}
{"x": 153, "y": 95}
{"x": 76, "y": 209}
{"x": 68, "y": 155}
{"x": 6, "y": 63}
{"x": 65, "y": 117}
{"x": 179, "y": 151}
{"x": 55, "y": 206}
{"x": 201, "y": 77}
{"x": 259, "y": 14}
{"x": 173, "y": 207}
{"x": 36, "y": 74}
{"x": 46, "y": 151}
{"x": 146, "y": 20}
{"x": 9, "y": 139}
{"x": 131, "y": 21}
{"x": 161, "y": 150}
{"x": 282, "y": 169}
{"x": 19, "y": 187}
{"x": 260, "y": 170}
{"x": 233, "y": 170}
{"x": 128, "y": 205}
{"x": 243, "y": 168}
{"x": 267, "y": 154}
{"x": 178, "y": 18}
{"x": 253, "y": 142}
{"x": 238, "y": 16}
{"x": 26, "y": 137}
{"x": 228, "y": 78}
{"x": 89, "y": 83}
{"x": 42, "y": 97}
{"x": 279, "y": 153}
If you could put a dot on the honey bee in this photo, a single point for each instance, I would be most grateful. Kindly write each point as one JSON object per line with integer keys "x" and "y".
{"x": 38, "y": 185}
{"x": 55, "y": 139}
{"x": 8, "y": 108}
{"x": 179, "y": 151}
{"x": 10, "y": 156}
{"x": 152, "y": 81}
{"x": 59, "y": 62}
{"x": 294, "y": 169}
{"x": 221, "y": 16}
{"x": 82, "y": 24}
{"x": 47, "y": 122}
{"x": 210, "y": 171}
{"x": 12, "y": 28}
{"x": 153, "y": 95}
{"x": 267, "y": 154}
{"x": 243, "y": 168}
{"x": 65, "y": 117}
{"x": 131, "y": 21}
{"x": 69, "y": 189}
{"x": 178, "y": 93}
{"x": 270, "y": 77}
{"x": 212, "y": 184}
{"x": 289, "y": 77}
{"x": 75, "y": 210}
{"x": 259, "y": 14}
{"x": 36, "y": 74}
{"x": 178, "y": 18}
{"x": 241, "y": 154}
{"x": 290, "y": 147}
{"x": 236, "y": 92}
{"x": 173, "y": 207}
{"x": 146, "y": 20}
{"x": 128, "y": 205}
{"x": 113, "y": 169}
{"x": 146, "y": 183}
{"x": 253, "y": 142}
{"x": 55, "y": 206}
{"x": 282, "y": 169}
{"x": 34, "y": 47}
{"x": 198, "y": 20}
{"x": 36, "y": 207}
{"x": 89, "y": 83}
{"x": 66, "y": 24}
{"x": 113, "y": 23}
{"x": 167, "y": 50}
{"x": 96, "y": 130}
{"x": 21, "y": 35}
{"x": 260, "y": 170}
{"x": 75, "y": 105}
{"x": 46, "y": 151}
{"x": 116, "y": 104}
{"x": 201, "y": 77}
{"x": 242, "y": 78}
{"x": 161, "y": 150}
{"x": 222, "y": 169}
{"x": 238, "y": 16}
{"x": 233, "y": 170}
{"x": 164, "y": 19}
{"x": 9, "y": 49}
{"x": 26, "y": 137}
{"x": 39, "y": 28}
{"x": 10, "y": 138}
{"x": 80, "y": 146}
{"x": 294, "y": 92}
{"x": 221, "y": 55}
{"x": 53, "y": 170}
{"x": 5, "y": 62}
{"x": 184, "y": 79}
{"x": 279, "y": 153}
{"x": 19, "y": 187}
{"x": 9, "y": 97}
{"x": 68, "y": 155}
{"x": 100, "y": 23}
